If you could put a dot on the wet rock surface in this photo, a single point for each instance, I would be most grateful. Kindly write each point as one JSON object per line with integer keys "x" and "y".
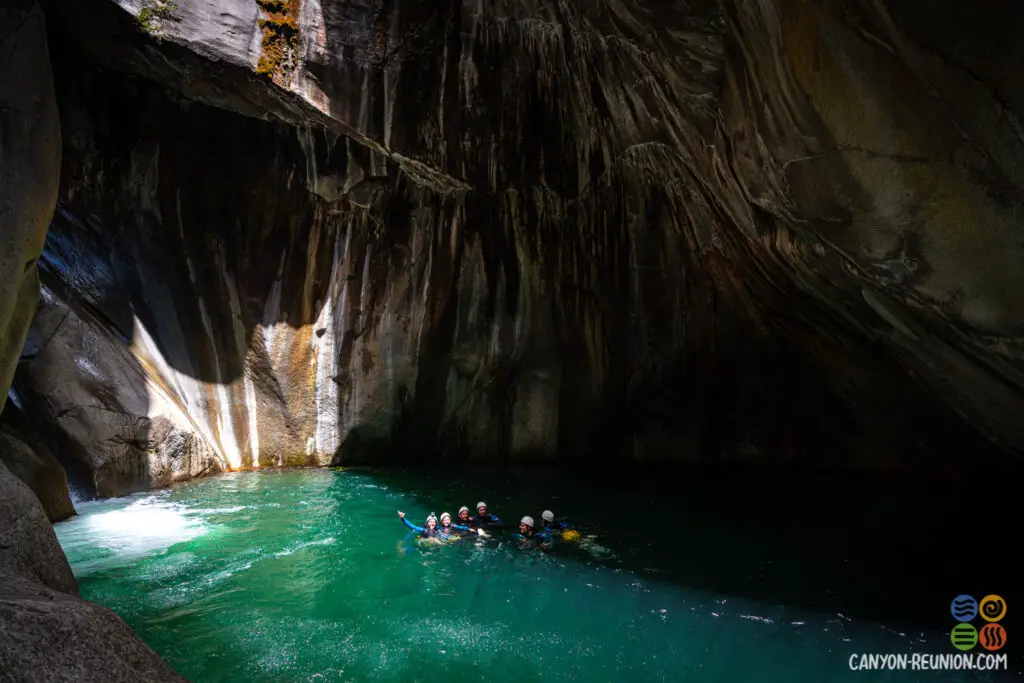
{"x": 774, "y": 232}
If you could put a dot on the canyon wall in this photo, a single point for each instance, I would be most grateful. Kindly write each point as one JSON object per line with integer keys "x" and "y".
{"x": 47, "y": 633}
{"x": 310, "y": 232}
{"x": 29, "y": 170}
{"x": 301, "y": 232}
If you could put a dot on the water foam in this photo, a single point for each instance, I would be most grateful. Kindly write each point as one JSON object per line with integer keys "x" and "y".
{"x": 142, "y": 527}
{"x": 300, "y": 546}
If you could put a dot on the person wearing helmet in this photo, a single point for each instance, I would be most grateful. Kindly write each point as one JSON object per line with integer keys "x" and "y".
{"x": 483, "y": 519}
{"x": 466, "y": 520}
{"x": 429, "y": 530}
{"x": 551, "y": 525}
{"x": 449, "y": 531}
{"x": 530, "y": 535}
{"x": 445, "y": 532}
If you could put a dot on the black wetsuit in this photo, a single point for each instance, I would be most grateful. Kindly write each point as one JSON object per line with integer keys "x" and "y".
{"x": 538, "y": 536}
{"x": 488, "y": 521}
{"x": 452, "y": 532}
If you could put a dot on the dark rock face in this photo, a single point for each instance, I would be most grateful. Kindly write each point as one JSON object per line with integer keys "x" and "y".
{"x": 773, "y": 232}
{"x": 38, "y": 469}
{"x": 29, "y": 169}
{"x": 28, "y": 546}
{"x": 47, "y": 633}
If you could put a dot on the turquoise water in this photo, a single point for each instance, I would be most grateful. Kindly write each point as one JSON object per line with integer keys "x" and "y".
{"x": 308, "y": 575}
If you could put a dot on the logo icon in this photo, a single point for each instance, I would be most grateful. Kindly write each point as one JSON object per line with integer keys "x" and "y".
{"x": 992, "y": 637}
{"x": 964, "y": 608}
{"x": 964, "y": 637}
{"x": 993, "y": 608}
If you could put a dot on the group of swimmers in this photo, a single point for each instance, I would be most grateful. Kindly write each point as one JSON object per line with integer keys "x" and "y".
{"x": 444, "y": 529}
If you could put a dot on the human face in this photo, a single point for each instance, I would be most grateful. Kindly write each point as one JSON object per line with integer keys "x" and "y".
{"x": 445, "y": 521}
{"x": 464, "y": 515}
{"x": 482, "y": 510}
{"x": 523, "y": 528}
{"x": 432, "y": 523}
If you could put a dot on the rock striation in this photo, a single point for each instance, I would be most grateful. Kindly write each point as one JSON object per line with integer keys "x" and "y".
{"x": 308, "y": 232}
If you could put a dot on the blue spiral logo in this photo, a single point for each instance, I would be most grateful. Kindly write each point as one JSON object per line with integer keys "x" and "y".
{"x": 964, "y": 608}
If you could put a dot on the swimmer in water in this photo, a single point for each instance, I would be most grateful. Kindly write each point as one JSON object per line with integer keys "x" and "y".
{"x": 450, "y": 531}
{"x": 529, "y": 535}
{"x": 558, "y": 528}
{"x": 483, "y": 519}
{"x": 551, "y": 525}
{"x": 446, "y": 532}
{"x": 466, "y": 520}
{"x": 429, "y": 530}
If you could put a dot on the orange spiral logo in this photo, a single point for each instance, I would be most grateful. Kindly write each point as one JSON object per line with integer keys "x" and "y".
{"x": 992, "y": 637}
{"x": 992, "y": 608}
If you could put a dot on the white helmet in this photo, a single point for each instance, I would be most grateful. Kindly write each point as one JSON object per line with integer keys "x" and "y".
{"x": 463, "y": 509}
{"x": 548, "y": 516}
{"x": 445, "y": 514}
{"x": 528, "y": 521}
{"x": 481, "y": 504}
{"x": 431, "y": 517}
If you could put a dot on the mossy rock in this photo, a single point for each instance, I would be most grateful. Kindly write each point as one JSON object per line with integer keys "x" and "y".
{"x": 149, "y": 14}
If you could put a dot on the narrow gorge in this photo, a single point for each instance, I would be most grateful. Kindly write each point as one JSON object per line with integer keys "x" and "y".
{"x": 243, "y": 234}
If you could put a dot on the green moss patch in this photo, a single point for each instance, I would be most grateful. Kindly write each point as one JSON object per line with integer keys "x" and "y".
{"x": 152, "y": 12}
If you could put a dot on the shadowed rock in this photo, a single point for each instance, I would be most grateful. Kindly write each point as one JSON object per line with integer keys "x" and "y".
{"x": 29, "y": 171}
{"x": 47, "y": 633}
{"x": 37, "y": 467}
{"x": 28, "y": 546}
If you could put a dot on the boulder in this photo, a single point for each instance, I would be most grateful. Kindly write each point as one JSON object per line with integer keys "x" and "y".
{"x": 48, "y": 633}
{"x": 40, "y": 471}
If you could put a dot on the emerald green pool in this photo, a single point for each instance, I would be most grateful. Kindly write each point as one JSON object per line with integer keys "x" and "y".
{"x": 308, "y": 575}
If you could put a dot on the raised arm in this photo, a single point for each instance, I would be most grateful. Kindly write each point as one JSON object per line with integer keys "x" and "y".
{"x": 409, "y": 524}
